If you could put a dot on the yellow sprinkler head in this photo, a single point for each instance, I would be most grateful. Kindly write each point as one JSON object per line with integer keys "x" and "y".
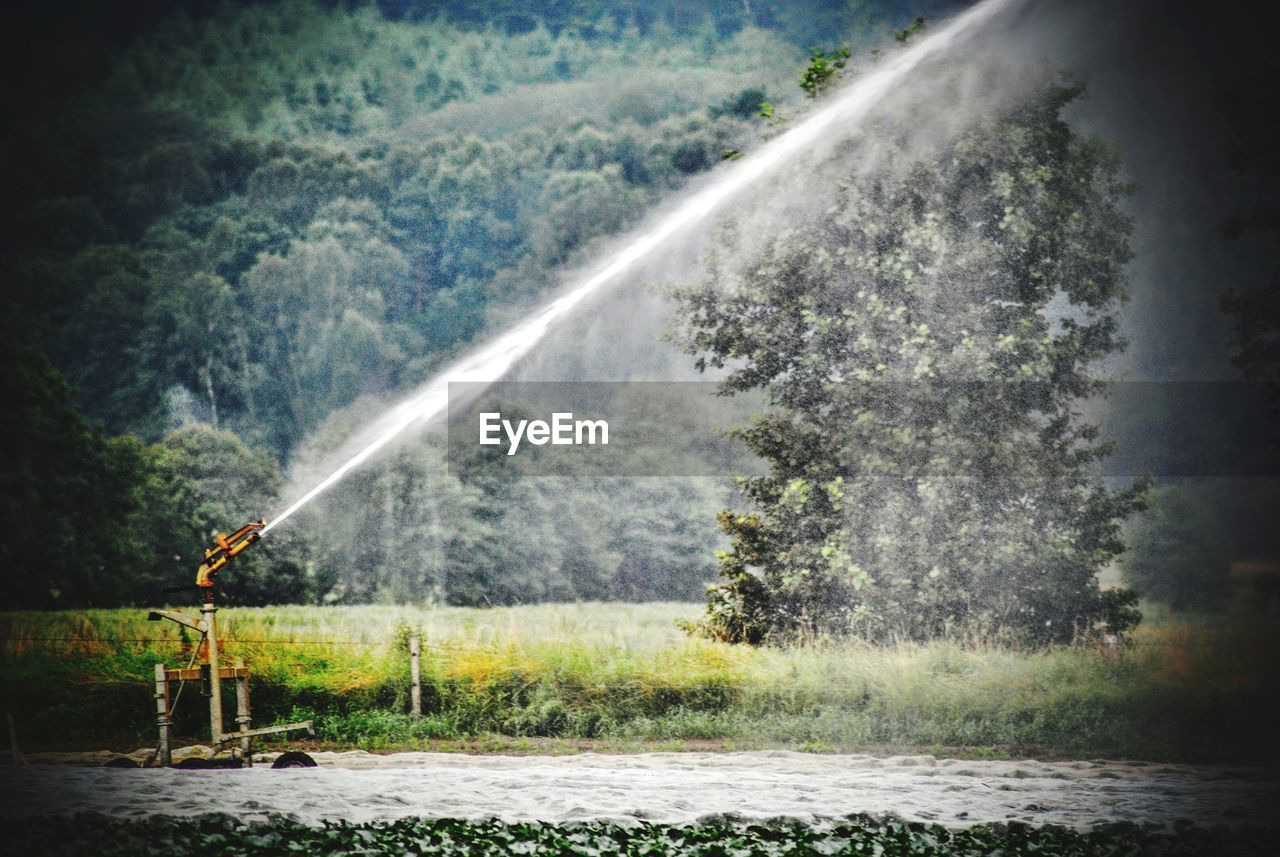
{"x": 225, "y": 549}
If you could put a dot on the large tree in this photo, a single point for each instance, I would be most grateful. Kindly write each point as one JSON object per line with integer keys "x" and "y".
{"x": 923, "y": 344}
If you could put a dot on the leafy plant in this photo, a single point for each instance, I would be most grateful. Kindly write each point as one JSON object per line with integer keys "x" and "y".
{"x": 223, "y": 834}
{"x": 823, "y": 70}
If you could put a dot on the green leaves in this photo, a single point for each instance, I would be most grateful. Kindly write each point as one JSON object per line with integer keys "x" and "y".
{"x": 905, "y": 338}
{"x": 860, "y": 835}
{"x": 824, "y": 69}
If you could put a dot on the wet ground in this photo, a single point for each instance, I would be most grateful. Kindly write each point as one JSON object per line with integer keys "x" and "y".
{"x": 662, "y": 787}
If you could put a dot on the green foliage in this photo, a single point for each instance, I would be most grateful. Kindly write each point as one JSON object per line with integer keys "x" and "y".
{"x": 1119, "y": 613}
{"x": 1177, "y": 554}
{"x": 93, "y": 521}
{"x": 248, "y": 218}
{"x": 823, "y": 71}
{"x": 300, "y": 69}
{"x": 928, "y": 476}
{"x": 264, "y": 213}
{"x": 909, "y": 32}
{"x": 1255, "y": 307}
{"x": 861, "y": 834}
{"x": 745, "y": 105}
{"x": 68, "y": 496}
{"x": 257, "y": 216}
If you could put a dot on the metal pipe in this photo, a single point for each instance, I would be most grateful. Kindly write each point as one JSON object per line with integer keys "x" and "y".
{"x": 215, "y": 701}
{"x": 415, "y": 672}
{"x": 164, "y": 753}
{"x": 307, "y": 725}
{"x": 243, "y": 723}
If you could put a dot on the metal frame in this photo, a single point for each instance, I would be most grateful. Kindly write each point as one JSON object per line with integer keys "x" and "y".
{"x": 207, "y": 625}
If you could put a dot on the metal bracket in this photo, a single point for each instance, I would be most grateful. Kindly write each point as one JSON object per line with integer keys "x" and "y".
{"x": 228, "y": 737}
{"x": 180, "y": 618}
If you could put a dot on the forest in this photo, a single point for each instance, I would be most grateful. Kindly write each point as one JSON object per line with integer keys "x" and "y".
{"x": 263, "y": 213}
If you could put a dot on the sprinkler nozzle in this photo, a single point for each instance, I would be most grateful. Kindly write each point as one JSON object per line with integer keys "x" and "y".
{"x": 226, "y": 548}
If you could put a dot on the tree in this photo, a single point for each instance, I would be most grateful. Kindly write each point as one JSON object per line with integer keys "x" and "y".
{"x": 1256, "y": 310}
{"x": 1177, "y": 553}
{"x": 66, "y": 493}
{"x": 202, "y": 481}
{"x": 927, "y": 473}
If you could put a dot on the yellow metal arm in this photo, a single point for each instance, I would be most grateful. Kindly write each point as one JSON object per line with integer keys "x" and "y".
{"x": 225, "y": 549}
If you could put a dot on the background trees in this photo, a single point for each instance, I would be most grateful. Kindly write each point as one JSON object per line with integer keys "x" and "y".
{"x": 227, "y": 226}
{"x": 247, "y": 218}
{"x": 927, "y": 472}
{"x": 65, "y": 491}
{"x": 1177, "y": 553}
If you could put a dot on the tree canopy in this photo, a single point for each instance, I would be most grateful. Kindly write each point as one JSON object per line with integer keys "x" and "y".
{"x": 928, "y": 475}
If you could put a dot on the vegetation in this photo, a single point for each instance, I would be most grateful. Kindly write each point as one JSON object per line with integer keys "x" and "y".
{"x": 623, "y": 676}
{"x": 251, "y": 218}
{"x": 823, "y": 71}
{"x": 97, "y": 520}
{"x": 859, "y": 835}
{"x": 256, "y": 223}
{"x": 928, "y": 473}
{"x": 258, "y": 265}
{"x": 1255, "y": 308}
{"x": 1176, "y": 553}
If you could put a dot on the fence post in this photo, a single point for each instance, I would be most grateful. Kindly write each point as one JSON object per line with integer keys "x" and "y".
{"x": 164, "y": 754}
{"x": 415, "y": 673}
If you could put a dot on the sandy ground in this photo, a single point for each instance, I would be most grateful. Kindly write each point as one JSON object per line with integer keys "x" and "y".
{"x": 659, "y": 787}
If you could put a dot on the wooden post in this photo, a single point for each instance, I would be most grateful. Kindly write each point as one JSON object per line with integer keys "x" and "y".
{"x": 415, "y": 672}
{"x": 1110, "y": 646}
{"x": 164, "y": 752}
{"x": 243, "y": 719}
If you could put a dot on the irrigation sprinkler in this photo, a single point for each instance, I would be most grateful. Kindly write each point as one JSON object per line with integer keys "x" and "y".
{"x": 210, "y": 672}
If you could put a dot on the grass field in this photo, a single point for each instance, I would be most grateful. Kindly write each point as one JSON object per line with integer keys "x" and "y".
{"x": 617, "y": 676}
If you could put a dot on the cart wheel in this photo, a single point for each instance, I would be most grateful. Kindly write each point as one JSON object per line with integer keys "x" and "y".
{"x": 121, "y": 762}
{"x": 293, "y": 759}
{"x": 192, "y": 763}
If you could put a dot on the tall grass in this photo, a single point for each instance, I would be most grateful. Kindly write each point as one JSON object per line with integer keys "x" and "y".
{"x": 1192, "y": 688}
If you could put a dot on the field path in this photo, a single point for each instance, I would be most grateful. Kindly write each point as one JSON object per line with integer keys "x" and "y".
{"x": 662, "y": 787}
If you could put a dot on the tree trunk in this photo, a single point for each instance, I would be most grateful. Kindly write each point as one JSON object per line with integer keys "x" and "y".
{"x": 206, "y": 374}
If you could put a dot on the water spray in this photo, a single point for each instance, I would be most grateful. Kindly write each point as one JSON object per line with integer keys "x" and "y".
{"x": 492, "y": 361}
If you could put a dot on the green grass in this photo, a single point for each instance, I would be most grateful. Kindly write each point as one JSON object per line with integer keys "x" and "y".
{"x": 223, "y": 834}
{"x": 1189, "y": 688}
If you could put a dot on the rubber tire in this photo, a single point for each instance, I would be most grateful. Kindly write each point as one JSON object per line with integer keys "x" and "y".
{"x": 293, "y": 759}
{"x": 121, "y": 762}
{"x": 193, "y": 763}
